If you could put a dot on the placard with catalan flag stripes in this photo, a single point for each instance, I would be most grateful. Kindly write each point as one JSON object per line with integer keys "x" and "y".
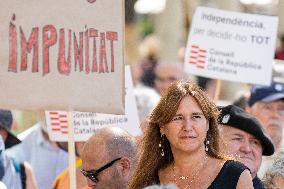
{"x": 231, "y": 46}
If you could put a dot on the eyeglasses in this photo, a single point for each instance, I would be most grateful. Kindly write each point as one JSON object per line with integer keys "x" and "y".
{"x": 267, "y": 108}
{"x": 165, "y": 79}
{"x": 93, "y": 174}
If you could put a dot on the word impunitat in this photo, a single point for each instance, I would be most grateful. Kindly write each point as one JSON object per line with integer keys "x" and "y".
{"x": 78, "y": 46}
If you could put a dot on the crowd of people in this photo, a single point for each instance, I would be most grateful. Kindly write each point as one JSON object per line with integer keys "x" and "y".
{"x": 187, "y": 141}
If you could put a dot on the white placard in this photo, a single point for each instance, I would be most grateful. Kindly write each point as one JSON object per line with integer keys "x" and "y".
{"x": 85, "y": 123}
{"x": 62, "y": 55}
{"x": 231, "y": 46}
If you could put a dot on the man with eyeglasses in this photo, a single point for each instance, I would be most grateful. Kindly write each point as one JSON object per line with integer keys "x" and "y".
{"x": 267, "y": 105}
{"x": 109, "y": 158}
{"x": 166, "y": 74}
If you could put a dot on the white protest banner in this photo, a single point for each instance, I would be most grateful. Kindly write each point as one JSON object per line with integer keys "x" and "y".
{"x": 62, "y": 55}
{"x": 231, "y": 46}
{"x": 85, "y": 123}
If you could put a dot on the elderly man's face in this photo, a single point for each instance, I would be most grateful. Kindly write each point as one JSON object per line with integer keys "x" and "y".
{"x": 94, "y": 157}
{"x": 242, "y": 145}
{"x": 271, "y": 115}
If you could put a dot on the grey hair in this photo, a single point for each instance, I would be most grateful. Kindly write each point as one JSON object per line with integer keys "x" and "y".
{"x": 277, "y": 169}
{"x": 278, "y": 165}
{"x": 169, "y": 186}
{"x": 119, "y": 143}
{"x": 121, "y": 146}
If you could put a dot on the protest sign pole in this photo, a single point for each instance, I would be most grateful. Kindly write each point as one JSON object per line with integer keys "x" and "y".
{"x": 217, "y": 90}
{"x": 71, "y": 151}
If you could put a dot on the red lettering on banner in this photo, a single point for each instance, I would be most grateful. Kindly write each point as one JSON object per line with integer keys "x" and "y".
{"x": 112, "y": 36}
{"x": 64, "y": 66}
{"x": 13, "y": 48}
{"x": 78, "y": 51}
{"x": 92, "y": 50}
{"x": 49, "y": 38}
{"x": 94, "y": 34}
{"x": 32, "y": 43}
{"x": 87, "y": 64}
{"x": 103, "y": 59}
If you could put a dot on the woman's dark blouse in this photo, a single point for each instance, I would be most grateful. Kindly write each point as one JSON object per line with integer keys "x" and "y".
{"x": 228, "y": 176}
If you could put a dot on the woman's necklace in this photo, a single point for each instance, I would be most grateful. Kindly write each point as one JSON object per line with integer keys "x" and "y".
{"x": 194, "y": 176}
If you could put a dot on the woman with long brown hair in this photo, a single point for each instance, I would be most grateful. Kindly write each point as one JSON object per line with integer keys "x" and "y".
{"x": 181, "y": 145}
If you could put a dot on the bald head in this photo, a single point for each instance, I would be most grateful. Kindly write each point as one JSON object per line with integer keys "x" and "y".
{"x": 112, "y": 147}
{"x": 110, "y": 142}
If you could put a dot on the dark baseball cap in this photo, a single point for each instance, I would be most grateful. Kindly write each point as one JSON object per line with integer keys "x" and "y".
{"x": 236, "y": 117}
{"x": 266, "y": 93}
{"x": 6, "y": 120}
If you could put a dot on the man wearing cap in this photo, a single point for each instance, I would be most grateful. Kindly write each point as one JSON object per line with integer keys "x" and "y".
{"x": 6, "y": 120}
{"x": 244, "y": 138}
{"x": 267, "y": 105}
{"x": 14, "y": 175}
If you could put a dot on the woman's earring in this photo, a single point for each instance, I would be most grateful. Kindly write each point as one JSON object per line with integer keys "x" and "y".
{"x": 161, "y": 147}
{"x": 206, "y": 145}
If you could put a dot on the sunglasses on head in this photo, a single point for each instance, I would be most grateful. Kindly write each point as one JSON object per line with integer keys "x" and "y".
{"x": 93, "y": 174}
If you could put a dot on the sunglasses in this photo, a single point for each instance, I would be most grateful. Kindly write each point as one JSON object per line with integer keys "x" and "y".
{"x": 93, "y": 174}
